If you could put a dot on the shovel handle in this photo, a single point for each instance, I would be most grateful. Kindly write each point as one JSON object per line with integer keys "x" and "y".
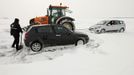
{"x": 21, "y": 39}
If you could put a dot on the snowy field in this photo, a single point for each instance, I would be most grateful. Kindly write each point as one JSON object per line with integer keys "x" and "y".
{"x": 105, "y": 54}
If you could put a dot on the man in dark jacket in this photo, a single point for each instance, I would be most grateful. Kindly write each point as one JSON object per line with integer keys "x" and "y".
{"x": 15, "y": 31}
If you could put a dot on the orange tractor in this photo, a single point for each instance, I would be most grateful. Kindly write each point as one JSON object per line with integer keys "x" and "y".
{"x": 55, "y": 15}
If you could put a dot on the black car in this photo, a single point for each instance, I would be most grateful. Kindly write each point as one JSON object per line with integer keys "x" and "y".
{"x": 38, "y": 37}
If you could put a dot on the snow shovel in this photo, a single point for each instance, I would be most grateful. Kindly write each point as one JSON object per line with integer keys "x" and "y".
{"x": 21, "y": 45}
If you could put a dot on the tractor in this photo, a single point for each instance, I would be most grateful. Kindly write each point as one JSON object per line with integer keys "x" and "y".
{"x": 55, "y": 15}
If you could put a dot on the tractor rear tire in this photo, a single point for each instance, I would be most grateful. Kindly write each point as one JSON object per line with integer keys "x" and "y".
{"x": 69, "y": 25}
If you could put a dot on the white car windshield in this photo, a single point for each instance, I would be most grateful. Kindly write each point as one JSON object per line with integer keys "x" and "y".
{"x": 101, "y": 23}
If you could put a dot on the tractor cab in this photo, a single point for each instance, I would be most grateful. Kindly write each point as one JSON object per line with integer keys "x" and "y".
{"x": 55, "y": 12}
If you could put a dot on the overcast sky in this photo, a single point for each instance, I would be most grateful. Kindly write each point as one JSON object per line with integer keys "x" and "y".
{"x": 80, "y": 8}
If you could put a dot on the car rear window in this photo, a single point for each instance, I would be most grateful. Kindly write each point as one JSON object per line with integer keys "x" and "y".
{"x": 45, "y": 29}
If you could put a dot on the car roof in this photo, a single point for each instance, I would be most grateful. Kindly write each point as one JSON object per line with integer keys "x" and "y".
{"x": 112, "y": 20}
{"x": 42, "y": 25}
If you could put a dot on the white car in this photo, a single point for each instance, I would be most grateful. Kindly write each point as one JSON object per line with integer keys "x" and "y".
{"x": 108, "y": 25}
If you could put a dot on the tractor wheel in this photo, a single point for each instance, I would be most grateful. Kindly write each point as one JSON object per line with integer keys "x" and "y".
{"x": 69, "y": 25}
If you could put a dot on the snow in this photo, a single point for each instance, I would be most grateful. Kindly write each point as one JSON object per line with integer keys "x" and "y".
{"x": 105, "y": 54}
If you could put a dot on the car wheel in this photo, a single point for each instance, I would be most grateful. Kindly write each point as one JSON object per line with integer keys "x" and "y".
{"x": 36, "y": 46}
{"x": 79, "y": 42}
{"x": 122, "y": 30}
{"x": 102, "y": 31}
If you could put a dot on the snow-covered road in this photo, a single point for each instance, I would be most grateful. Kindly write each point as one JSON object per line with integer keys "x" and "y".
{"x": 112, "y": 54}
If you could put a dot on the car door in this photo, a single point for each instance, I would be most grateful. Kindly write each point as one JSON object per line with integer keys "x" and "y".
{"x": 118, "y": 25}
{"x": 63, "y": 35}
{"x": 114, "y": 25}
{"x": 110, "y": 26}
{"x": 47, "y": 35}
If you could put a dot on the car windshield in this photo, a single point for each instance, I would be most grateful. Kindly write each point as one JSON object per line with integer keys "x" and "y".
{"x": 101, "y": 23}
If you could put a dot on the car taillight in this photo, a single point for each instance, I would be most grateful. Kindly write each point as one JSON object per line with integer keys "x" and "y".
{"x": 26, "y": 35}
